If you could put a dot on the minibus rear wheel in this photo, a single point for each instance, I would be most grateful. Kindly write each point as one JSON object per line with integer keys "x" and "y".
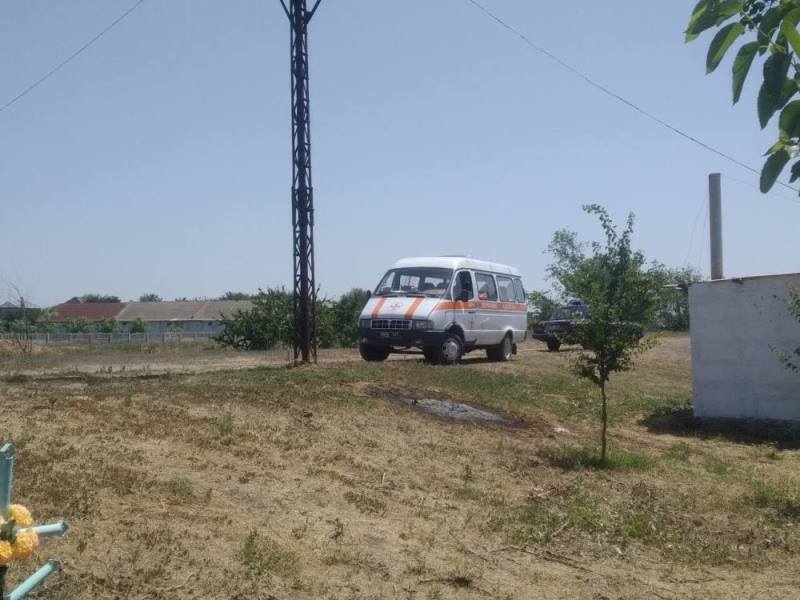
{"x": 502, "y": 352}
{"x": 373, "y": 353}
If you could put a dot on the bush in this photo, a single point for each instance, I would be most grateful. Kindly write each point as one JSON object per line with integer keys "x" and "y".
{"x": 270, "y": 322}
{"x": 137, "y": 326}
{"x": 266, "y": 325}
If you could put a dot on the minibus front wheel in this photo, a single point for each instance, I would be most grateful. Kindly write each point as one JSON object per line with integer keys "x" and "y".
{"x": 450, "y": 349}
{"x": 372, "y": 353}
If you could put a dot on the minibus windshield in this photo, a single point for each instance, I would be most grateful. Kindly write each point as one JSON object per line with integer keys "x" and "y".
{"x": 415, "y": 281}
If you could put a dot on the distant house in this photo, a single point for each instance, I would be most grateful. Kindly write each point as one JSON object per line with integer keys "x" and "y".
{"x": 10, "y": 310}
{"x": 201, "y": 316}
{"x": 88, "y": 311}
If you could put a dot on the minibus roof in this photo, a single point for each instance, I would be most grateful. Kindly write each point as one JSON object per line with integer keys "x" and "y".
{"x": 456, "y": 262}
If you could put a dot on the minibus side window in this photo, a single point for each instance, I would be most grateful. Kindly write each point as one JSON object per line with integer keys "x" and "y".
{"x": 487, "y": 290}
{"x": 519, "y": 291}
{"x": 506, "y": 288}
{"x": 463, "y": 282}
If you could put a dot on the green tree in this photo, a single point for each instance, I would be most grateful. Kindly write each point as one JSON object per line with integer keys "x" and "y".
{"x": 151, "y": 297}
{"x": 542, "y": 308}
{"x": 672, "y": 309}
{"x": 137, "y": 326}
{"x": 791, "y": 358}
{"x": 267, "y": 324}
{"x": 568, "y": 254}
{"x": 236, "y": 296}
{"x": 621, "y": 294}
{"x": 107, "y": 326}
{"x": 77, "y": 326}
{"x": 346, "y": 312}
{"x": 99, "y": 299}
{"x": 770, "y": 29}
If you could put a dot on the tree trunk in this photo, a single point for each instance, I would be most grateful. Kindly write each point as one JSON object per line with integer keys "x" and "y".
{"x": 605, "y": 421}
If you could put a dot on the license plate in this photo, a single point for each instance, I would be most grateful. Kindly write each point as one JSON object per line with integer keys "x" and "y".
{"x": 385, "y": 334}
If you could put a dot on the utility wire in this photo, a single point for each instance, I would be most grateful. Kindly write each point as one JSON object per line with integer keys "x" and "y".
{"x": 74, "y": 55}
{"x": 755, "y": 187}
{"x": 613, "y": 94}
{"x": 703, "y": 204}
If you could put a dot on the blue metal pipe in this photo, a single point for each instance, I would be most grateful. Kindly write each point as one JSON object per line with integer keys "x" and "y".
{"x": 34, "y": 581}
{"x": 58, "y": 529}
{"x": 7, "y": 454}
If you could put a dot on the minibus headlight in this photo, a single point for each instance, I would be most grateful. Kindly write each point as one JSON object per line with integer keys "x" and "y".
{"x": 423, "y": 324}
{"x": 365, "y": 323}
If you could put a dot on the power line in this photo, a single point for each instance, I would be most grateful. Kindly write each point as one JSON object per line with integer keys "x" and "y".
{"x": 703, "y": 204}
{"x": 63, "y": 63}
{"x": 613, "y": 94}
{"x": 755, "y": 187}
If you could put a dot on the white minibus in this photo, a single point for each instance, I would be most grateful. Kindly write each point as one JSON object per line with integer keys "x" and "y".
{"x": 445, "y": 306}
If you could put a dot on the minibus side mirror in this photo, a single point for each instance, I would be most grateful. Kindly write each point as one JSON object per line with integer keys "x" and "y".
{"x": 369, "y": 294}
{"x": 465, "y": 296}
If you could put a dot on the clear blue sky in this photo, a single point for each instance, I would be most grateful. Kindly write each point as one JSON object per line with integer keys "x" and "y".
{"x": 158, "y": 160}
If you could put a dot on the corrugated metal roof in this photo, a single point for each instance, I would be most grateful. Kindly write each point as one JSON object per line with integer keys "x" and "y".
{"x": 199, "y": 310}
{"x": 87, "y": 310}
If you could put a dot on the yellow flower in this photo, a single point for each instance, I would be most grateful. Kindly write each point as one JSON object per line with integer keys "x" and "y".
{"x": 20, "y": 514}
{"x": 5, "y": 553}
{"x": 27, "y": 543}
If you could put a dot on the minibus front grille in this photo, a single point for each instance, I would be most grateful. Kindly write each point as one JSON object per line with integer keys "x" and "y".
{"x": 391, "y": 324}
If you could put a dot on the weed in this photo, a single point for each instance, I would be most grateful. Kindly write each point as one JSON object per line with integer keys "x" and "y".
{"x": 779, "y": 498}
{"x": 225, "y": 424}
{"x": 366, "y": 504}
{"x": 680, "y": 452}
{"x": 718, "y": 467}
{"x": 263, "y": 556}
{"x": 579, "y": 459}
{"x": 181, "y": 488}
{"x": 338, "y": 529}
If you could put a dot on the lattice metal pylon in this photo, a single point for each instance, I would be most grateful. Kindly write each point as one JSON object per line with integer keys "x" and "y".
{"x": 305, "y": 291}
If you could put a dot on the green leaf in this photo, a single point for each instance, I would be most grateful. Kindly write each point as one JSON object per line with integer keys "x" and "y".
{"x": 774, "y": 91}
{"x": 788, "y": 90}
{"x": 768, "y": 25}
{"x": 776, "y": 147}
{"x": 795, "y": 172}
{"x": 708, "y": 13}
{"x": 720, "y": 44}
{"x": 790, "y": 119}
{"x": 772, "y": 168}
{"x": 741, "y": 67}
{"x": 789, "y": 30}
{"x": 700, "y": 11}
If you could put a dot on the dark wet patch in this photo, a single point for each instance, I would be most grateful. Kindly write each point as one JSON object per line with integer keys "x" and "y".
{"x": 445, "y": 408}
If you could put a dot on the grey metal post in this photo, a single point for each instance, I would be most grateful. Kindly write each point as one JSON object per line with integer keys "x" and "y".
{"x": 715, "y": 220}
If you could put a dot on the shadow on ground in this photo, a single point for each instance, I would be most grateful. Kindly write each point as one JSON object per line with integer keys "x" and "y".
{"x": 682, "y": 422}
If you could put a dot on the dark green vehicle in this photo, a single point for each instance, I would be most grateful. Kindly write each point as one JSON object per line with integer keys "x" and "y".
{"x": 564, "y": 327}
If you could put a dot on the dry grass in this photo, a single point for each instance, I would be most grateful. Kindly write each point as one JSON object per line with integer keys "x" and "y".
{"x": 268, "y": 482}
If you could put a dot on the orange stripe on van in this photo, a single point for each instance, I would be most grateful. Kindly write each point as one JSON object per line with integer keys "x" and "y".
{"x": 414, "y": 306}
{"x": 377, "y": 310}
{"x": 490, "y": 306}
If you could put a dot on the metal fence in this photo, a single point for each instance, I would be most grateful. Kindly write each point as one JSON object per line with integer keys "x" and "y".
{"x": 108, "y": 338}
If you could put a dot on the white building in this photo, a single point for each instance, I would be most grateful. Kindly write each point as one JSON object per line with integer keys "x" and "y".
{"x": 736, "y": 324}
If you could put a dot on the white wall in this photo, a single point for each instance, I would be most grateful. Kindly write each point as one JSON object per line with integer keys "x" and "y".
{"x": 734, "y": 324}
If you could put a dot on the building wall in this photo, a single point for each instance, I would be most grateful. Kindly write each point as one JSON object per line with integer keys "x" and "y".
{"x": 734, "y": 324}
